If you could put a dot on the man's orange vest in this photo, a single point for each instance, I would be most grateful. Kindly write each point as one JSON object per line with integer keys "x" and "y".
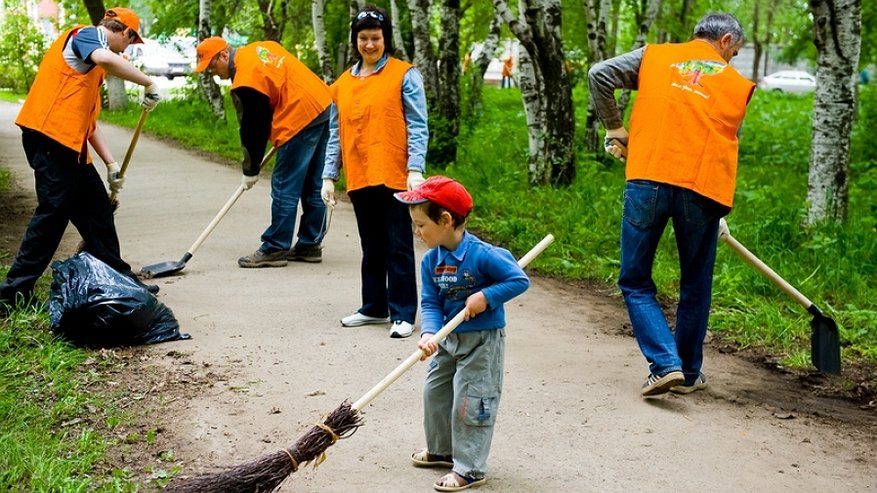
{"x": 372, "y": 128}
{"x": 62, "y": 103}
{"x": 683, "y": 129}
{"x": 296, "y": 94}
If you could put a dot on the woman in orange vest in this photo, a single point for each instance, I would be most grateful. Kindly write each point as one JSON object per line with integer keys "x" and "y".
{"x": 378, "y": 135}
{"x": 278, "y": 99}
{"x": 681, "y": 165}
{"x": 58, "y": 120}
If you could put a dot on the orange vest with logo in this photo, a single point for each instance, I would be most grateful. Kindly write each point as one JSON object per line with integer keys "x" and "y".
{"x": 372, "y": 128}
{"x": 683, "y": 129}
{"x": 62, "y": 103}
{"x": 296, "y": 94}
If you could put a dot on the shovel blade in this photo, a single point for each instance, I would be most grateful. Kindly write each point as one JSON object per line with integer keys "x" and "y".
{"x": 162, "y": 269}
{"x": 825, "y": 345}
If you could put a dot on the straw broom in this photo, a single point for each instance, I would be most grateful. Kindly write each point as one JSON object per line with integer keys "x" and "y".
{"x": 266, "y": 473}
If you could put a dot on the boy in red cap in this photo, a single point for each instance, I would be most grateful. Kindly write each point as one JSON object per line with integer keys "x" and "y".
{"x": 58, "y": 121}
{"x": 464, "y": 379}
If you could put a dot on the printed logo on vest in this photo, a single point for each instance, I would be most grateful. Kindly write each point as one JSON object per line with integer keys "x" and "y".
{"x": 693, "y": 70}
{"x": 268, "y": 58}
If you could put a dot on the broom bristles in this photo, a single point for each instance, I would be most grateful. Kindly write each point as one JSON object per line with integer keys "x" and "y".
{"x": 266, "y": 473}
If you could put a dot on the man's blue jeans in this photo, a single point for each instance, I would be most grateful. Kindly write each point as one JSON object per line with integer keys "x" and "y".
{"x": 296, "y": 176}
{"x": 648, "y": 206}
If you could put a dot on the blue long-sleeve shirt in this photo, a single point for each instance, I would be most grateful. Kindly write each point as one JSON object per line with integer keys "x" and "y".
{"x": 415, "y": 110}
{"x": 449, "y": 277}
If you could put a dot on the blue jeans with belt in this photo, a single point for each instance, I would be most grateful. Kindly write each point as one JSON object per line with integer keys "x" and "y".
{"x": 648, "y": 206}
{"x": 296, "y": 177}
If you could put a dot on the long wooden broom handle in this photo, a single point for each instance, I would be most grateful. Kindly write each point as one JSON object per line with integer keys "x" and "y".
{"x": 725, "y": 235}
{"x": 130, "y": 151}
{"x": 225, "y": 208}
{"x": 437, "y": 337}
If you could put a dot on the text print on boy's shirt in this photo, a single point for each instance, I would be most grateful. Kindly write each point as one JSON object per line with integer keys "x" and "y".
{"x": 446, "y": 279}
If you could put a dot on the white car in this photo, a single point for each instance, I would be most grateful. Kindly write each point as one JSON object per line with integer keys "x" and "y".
{"x": 788, "y": 81}
{"x": 154, "y": 59}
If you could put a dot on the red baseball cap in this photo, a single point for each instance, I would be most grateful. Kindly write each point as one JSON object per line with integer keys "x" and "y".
{"x": 442, "y": 191}
{"x": 128, "y": 18}
{"x": 208, "y": 49}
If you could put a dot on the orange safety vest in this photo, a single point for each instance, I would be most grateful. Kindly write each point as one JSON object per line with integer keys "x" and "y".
{"x": 688, "y": 110}
{"x": 62, "y": 103}
{"x": 296, "y": 94}
{"x": 372, "y": 128}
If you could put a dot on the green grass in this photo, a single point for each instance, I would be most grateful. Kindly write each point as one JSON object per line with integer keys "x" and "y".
{"x": 832, "y": 265}
{"x": 54, "y": 424}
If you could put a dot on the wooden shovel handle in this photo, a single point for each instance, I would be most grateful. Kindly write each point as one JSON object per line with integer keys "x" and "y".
{"x": 437, "y": 337}
{"x": 749, "y": 257}
{"x": 130, "y": 151}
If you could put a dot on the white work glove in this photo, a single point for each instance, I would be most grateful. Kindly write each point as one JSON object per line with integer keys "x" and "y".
{"x": 249, "y": 181}
{"x": 115, "y": 181}
{"x": 151, "y": 97}
{"x": 327, "y": 193}
{"x": 415, "y": 178}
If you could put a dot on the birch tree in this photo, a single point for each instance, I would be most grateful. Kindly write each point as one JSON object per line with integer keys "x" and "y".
{"x": 318, "y": 12}
{"x": 401, "y": 52}
{"x": 597, "y": 18}
{"x": 481, "y": 62}
{"x": 837, "y": 28}
{"x": 549, "y": 99}
{"x": 208, "y": 85}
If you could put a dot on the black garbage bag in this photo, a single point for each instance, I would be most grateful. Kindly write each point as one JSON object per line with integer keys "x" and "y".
{"x": 93, "y": 305}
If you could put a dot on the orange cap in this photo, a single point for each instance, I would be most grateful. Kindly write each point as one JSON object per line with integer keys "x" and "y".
{"x": 128, "y": 18}
{"x": 208, "y": 49}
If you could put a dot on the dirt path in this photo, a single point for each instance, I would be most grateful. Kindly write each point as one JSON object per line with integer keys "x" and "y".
{"x": 268, "y": 358}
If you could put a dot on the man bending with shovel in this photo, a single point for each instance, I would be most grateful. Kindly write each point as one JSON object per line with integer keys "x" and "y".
{"x": 58, "y": 120}
{"x": 278, "y": 98}
{"x": 681, "y": 166}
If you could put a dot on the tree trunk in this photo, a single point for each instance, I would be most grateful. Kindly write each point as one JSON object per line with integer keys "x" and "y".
{"x": 318, "y": 10}
{"x": 837, "y": 28}
{"x": 424, "y": 58}
{"x": 401, "y": 52}
{"x": 445, "y": 125}
{"x": 597, "y": 15}
{"x": 208, "y": 85}
{"x": 272, "y": 27}
{"x": 480, "y": 64}
{"x": 539, "y": 32}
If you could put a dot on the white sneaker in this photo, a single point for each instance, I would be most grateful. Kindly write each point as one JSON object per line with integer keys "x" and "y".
{"x": 400, "y": 329}
{"x": 358, "y": 319}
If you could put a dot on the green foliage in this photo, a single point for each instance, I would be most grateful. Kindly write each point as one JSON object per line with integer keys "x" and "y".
{"x": 21, "y": 47}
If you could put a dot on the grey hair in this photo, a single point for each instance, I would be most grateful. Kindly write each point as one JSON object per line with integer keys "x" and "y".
{"x": 714, "y": 26}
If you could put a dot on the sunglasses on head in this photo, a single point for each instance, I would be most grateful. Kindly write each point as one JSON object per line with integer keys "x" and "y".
{"x": 370, "y": 13}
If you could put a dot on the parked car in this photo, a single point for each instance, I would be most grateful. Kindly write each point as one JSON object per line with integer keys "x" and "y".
{"x": 154, "y": 59}
{"x": 788, "y": 81}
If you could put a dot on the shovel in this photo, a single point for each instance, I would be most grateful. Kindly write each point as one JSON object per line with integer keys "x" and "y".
{"x": 824, "y": 334}
{"x": 162, "y": 269}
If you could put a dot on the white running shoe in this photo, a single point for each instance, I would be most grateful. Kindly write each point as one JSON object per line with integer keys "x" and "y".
{"x": 358, "y": 319}
{"x": 400, "y": 329}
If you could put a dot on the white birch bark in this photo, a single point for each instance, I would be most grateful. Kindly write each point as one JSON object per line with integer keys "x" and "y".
{"x": 209, "y": 87}
{"x": 401, "y": 52}
{"x": 837, "y": 28}
{"x": 318, "y": 9}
